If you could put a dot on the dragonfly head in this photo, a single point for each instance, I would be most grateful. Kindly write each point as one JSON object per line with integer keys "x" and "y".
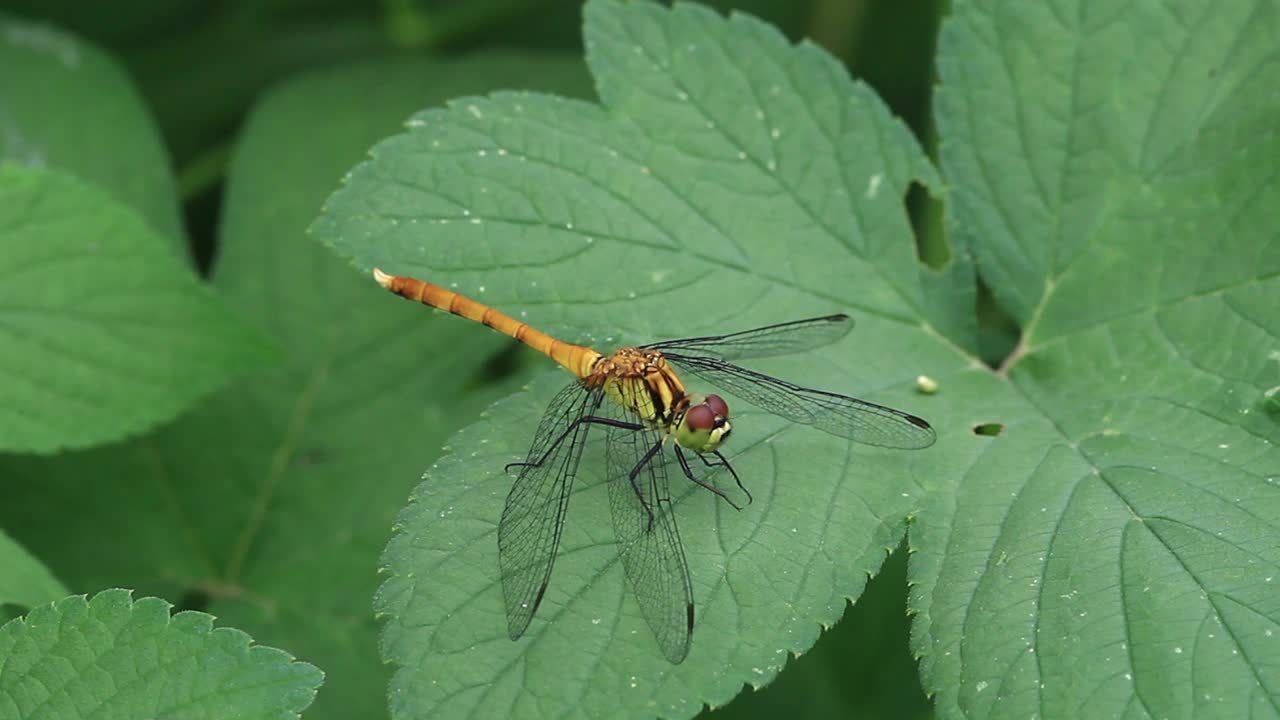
{"x": 704, "y": 425}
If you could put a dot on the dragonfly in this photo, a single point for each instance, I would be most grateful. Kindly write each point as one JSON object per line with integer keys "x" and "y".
{"x": 637, "y": 397}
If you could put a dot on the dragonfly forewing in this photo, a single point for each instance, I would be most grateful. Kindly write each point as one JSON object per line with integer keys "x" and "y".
{"x": 839, "y": 415}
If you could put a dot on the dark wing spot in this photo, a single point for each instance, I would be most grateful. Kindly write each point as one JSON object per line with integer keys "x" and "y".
{"x": 918, "y": 422}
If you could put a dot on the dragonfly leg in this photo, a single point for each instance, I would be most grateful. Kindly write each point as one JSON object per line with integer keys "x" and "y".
{"x": 724, "y": 462}
{"x": 635, "y": 472}
{"x": 587, "y": 419}
{"x": 688, "y": 472}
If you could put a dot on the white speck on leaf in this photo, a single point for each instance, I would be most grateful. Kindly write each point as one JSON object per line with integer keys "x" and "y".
{"x": 873, "y": 185}
{"x": 475, "y": 111}
{"x": 982, "y": 685}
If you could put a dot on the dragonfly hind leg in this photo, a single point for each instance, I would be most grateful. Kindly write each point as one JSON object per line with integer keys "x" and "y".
{"x": 688, "y": 472}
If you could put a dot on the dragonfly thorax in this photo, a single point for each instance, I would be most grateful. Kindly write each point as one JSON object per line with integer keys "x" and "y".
{"x": 643, "y": 382}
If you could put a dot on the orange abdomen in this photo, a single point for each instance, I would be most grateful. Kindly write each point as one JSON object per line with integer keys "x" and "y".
{"x": 574, "y": 358}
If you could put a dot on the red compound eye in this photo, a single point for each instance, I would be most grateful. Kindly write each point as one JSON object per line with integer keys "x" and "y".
{"x": 718, "y": 405}
{"x": 700, "y": 417}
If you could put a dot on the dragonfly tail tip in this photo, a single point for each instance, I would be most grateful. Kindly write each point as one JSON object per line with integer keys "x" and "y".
{"x": 383, "y": 279}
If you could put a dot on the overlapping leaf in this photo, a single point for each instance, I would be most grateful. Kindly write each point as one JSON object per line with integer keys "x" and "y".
{"x": 48, "y": 78}
{"x": 105, "y": 331}
{"x": 274, "y": 499}
{"x": 1115, "y": 169}
{"x": 113, "y": 657}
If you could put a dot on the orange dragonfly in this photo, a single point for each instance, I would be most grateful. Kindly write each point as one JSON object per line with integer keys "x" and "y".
{"x": 637, "y": 397}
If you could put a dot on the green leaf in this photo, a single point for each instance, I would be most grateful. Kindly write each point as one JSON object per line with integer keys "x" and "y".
{"x": 24, "y": 580}
{"x": 106, "y": 332}
{"x": 274, "y": 499}
{"x": 1115, "y": 551}
{"x": 113, "y": 657}
{"x": 47, "y": 81}
{"x": 658, "y": 215}
{"x": 1109, "y": 552}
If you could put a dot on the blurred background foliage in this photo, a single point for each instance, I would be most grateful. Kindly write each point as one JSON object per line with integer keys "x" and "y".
{"x": 201, "y": 66}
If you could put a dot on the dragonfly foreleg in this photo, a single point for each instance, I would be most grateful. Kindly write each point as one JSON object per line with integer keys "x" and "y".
{"x": 688, "y": 472}
{"x": 588, "y": 419}
{"x": 724, "y": 462}
{"x": 635, "y": 472}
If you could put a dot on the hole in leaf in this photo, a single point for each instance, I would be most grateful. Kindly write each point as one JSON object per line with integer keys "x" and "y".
{"x": 990, "y": 429}
{"x": 1271, "y": 402}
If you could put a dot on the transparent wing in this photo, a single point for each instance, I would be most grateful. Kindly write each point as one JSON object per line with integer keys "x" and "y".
{"x": 645, "y": 527}
{"x": 839, "y": 415}
{"x": 781, "y": 339}
{"x": 529, "y": 532}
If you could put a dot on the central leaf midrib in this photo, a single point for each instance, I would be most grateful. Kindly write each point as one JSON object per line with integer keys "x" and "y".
{"x": 282, "y": 455}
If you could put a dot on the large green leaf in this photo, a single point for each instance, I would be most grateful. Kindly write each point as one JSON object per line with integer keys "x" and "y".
{"x": 106, "y": 332}
{"x": 275, "y": 498}
{"x": 1114, "y": 554}
{"x": 659, "y": 215}
{"x": 1109, "y": 552}
{"x": 66, "y": 106}
{"x": 113, "y": 657}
